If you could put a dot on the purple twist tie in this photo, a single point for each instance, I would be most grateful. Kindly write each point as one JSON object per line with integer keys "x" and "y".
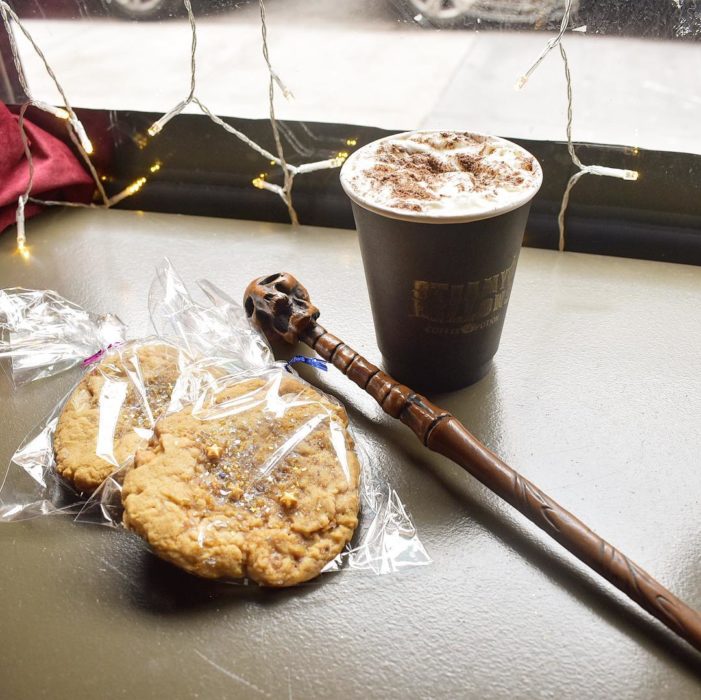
{"x": 94, "y": 358}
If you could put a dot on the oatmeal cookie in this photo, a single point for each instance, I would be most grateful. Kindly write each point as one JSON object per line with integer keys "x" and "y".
{"x": 261, "y": 483}
{"x": 111, "y": 412}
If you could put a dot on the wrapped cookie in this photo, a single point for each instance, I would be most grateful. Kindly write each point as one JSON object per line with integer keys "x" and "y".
{"x": 224, "y": 461}
{"x": 95, "y": 430}
{"x": 253, "y": 474}
{"x": 112, "y": 410}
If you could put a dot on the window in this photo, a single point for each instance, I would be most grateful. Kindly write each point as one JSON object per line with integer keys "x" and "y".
{"x": 392, "y": 65}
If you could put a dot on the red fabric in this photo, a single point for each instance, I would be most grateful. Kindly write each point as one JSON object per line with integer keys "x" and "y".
{"x": 57, "y": 172}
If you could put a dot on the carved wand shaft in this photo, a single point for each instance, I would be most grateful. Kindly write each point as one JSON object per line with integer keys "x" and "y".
{"x": 281, "y": 307}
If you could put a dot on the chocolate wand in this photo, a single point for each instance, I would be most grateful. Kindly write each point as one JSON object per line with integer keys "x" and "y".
{"x": 281, "y": 307}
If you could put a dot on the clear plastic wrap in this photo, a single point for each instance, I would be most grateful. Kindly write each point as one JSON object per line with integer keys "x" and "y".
{"x": 218, "y": 328}
{"x": 94, "y": 431}
{"x": 257, "y": 474}
{"x": 42, "y": 334}
{"x": 234, "y": 468}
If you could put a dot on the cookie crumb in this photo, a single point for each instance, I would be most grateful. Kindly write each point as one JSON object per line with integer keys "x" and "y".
{"x": 214, "y": 452}
{"x": 288, "y": 500}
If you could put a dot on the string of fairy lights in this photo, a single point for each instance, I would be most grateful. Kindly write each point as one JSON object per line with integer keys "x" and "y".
{"x": 582, "y": 169}
{"x": 289, "y": 171}
{"x": 78, "y": 135}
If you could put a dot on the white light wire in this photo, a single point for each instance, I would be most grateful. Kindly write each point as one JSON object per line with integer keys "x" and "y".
{"x": 600, "y": 170}
{"x": 9, "y": 14}
{"x": 548, "y": 47}
{"x": 288, "y": 177}
{"x": 74, "y": 126}
{"x": 23, "y": 198}
{"x": 288, "y": 170}
{"x": 157, "y": 126}
{"x": 79, "y": 136}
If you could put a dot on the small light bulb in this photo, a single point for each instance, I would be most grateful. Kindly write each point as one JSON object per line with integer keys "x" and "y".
{"x": 154, "y": 129}
{"x": 23, "y": 250}
{"x": 58, "y": 112}
{"x": 81, "y": 134}
{"x": 155, "y": 167}
{"x": 257, "y": 182}
{"x": 631, "y": 175}
{"x": 136, "y": 185}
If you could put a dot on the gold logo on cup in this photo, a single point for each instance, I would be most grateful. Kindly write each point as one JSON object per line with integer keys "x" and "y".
{"x": 462, "y": 308}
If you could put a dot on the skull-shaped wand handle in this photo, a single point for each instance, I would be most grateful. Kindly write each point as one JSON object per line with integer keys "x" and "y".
{"x": 281, "y": 308}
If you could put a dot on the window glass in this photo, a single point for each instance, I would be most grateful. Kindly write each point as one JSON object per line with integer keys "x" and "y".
{"x": 395, "y": 64}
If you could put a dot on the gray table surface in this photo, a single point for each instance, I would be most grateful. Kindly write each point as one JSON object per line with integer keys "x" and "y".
{"x": 595, "y": 396}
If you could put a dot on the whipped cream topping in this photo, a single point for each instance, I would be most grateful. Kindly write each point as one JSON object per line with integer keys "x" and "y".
{"x": 441, "y": 175}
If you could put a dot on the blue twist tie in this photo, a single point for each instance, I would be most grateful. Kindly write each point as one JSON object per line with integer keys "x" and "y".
{"x": 313, "y": 361}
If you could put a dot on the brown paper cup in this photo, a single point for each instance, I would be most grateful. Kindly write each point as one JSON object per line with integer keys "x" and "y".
{"x": 439, "y": 291}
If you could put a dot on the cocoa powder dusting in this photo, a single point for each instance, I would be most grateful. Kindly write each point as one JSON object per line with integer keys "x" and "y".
{"x": 407, "y": 175}
{"x": 410, "y": 175}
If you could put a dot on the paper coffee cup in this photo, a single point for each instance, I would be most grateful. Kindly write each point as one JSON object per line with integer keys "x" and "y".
{"x": 440, "y": 244}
